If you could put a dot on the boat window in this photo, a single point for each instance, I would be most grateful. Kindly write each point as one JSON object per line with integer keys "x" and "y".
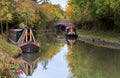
{"x": 28, "y": 34}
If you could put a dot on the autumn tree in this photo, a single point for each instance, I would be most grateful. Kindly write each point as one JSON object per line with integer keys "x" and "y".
{"x": 13, "y": 13}
{"x": 53, "y": 12}
{"x": 94, "y": 13}
{"x": 5, "y": 13}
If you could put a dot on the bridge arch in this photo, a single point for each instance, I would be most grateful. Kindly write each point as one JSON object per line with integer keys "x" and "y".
{"x": 61, "y": 24}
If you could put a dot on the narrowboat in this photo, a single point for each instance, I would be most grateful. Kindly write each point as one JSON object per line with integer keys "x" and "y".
{"x": 24, "y": 38}
{"x": 70, "y": 33}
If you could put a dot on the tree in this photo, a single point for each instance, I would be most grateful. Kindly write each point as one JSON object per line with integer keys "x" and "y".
{"x": 99, "y": 11}
{"x": 5, "y": 14}
{"x": 53, "y": 12}
{"x": 13, "y": 13}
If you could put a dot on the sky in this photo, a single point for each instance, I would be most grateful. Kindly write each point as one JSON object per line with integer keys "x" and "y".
{"x": 62, "y": 3}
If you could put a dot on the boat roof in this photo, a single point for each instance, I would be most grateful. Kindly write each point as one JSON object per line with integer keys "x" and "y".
{"x": 15, "y": 30}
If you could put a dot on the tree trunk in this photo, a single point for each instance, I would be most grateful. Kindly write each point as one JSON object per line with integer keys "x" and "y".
{"x": 1, "y": 28}
{"x": 7, "y": 30}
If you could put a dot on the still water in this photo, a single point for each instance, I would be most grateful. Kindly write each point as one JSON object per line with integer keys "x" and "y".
{"x": 57, "y": 66}
{"x": 82, "y": 60}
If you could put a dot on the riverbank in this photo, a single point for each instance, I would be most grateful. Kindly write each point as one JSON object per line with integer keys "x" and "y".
{"x": 110, "y": 39}
{"x": 8, "y": 64}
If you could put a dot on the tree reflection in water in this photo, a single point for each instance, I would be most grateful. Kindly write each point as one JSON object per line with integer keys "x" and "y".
{"x": 44, "y": 64}
{"x": 89, "y": 61}
{"x": 70, "y": 40}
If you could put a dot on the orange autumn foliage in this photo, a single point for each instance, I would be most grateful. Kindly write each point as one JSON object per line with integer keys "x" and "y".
{"x": 69, "y": 58}
{"x": 69, "y": 10}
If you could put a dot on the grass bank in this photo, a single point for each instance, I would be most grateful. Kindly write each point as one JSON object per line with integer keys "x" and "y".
{"x": 8, "y": 64}
{"x": 108, "y": 36}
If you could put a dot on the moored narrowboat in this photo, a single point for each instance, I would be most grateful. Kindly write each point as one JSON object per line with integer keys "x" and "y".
{"x": 70, "y": 33}
{"x": 25, "y": 39}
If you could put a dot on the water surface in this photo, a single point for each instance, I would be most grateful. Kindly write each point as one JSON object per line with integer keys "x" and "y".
{"x": 55, "y": 67}
{"x": 81, "y": 60}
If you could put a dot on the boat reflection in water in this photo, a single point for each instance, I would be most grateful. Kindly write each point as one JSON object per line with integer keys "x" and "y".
{"x": 71, "y": 35}
{"x": 70, "y": 40}
{"x": 29, "y": 63}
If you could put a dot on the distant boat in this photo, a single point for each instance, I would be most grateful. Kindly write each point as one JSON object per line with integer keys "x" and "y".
{"x": 24, "y": 38}
{"x": 70, "y": 33}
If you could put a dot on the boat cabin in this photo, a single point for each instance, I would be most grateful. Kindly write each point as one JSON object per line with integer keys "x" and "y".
{"x": 24, "y": 38}
{"x": 70, "y": 33}
{"x": 14, "y": 35}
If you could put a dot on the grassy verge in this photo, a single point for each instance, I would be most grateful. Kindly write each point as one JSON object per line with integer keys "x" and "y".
{"x": 109, "y": 35}
{"x": 8, "y": 64}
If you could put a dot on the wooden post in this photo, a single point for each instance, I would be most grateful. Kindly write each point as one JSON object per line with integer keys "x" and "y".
{"x": 22, "y": 37}
{"x": 33, "y": 37}
{"x": 30, "y": 35}
{"x": 26, "y": 35}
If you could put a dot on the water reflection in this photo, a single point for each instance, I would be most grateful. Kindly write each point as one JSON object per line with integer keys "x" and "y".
{"x": 47, "y": 67}
{"x": 29, "y": 63}
{"x": 57, "y": 67}
{"x": 83, "y": 60}
{"x": 89, "y": 61}
{"x": 50, "y": 63}
{"x": 44, "y": 64}
{"x": 70, "y": 40}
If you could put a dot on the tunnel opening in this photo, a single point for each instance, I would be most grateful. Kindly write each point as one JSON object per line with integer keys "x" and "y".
{"x": 59, "y": 31}
{"x": 60, "y": 28}
{"x": 63, "y": 28}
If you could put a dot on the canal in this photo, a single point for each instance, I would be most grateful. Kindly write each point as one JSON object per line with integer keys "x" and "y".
{"x": 82, "y": 60}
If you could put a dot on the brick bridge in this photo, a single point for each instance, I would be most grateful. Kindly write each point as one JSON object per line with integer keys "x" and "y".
{"x": 61, "y": 24}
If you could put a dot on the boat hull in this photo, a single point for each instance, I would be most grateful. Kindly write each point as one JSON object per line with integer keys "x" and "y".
{"x": 75, "y": 36}
{"x": 30, "y": 48}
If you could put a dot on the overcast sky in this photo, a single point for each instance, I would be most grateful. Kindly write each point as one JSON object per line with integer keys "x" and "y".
{"x": 62, "y": 3}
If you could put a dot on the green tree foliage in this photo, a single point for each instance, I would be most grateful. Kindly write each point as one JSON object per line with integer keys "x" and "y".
{"x": 53, "y": 12}
{"x": 13, "y": 13}
{"x": 103, "y": 12}
{"x": 117, "y": 14}
{"x": 5, "y": 13}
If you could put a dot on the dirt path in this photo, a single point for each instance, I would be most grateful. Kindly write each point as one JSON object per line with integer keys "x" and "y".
{"x": 99, "y": 42}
